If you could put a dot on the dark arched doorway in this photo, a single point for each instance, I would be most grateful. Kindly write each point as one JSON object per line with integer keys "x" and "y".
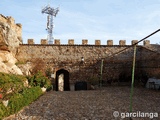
{"x": 63, "y": 77}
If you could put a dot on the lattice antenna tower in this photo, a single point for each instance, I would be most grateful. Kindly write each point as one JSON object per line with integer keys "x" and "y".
{"x": 52, "y": 12}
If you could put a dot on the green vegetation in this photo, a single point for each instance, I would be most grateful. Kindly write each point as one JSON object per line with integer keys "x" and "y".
{"x": 48, "y": 72}
{"x": 14, "y": 89}
{"x": 10, "y": 84}
{"x": 40, "y": 80}
{"x": 19, "y": 100}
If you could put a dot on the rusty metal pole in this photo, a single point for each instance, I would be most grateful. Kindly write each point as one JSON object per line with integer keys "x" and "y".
{"x": 132, "y": 84}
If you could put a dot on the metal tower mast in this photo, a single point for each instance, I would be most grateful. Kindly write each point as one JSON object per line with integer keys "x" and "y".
{"x": 51, "y": 14}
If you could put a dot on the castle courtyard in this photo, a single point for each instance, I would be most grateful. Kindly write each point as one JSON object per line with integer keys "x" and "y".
{"x": 97, "y": 104}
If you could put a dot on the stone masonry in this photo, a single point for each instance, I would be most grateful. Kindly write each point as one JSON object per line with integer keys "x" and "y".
{"x": 68, "y": 57}
{"x": 57, "y": 56}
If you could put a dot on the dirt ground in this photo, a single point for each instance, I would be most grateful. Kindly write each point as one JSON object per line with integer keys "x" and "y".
{"x": 98, "y": 104}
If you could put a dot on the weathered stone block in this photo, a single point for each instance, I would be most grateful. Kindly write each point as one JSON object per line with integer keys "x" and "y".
{"x": 84, "y": 42}
{"x": 10, "y": 20}
{"x": 146, "y": 42}
{"x": 109, "y": 42}
{"x": 30, "y": 41}
{"x": 19, "y": 24}
{"x": 44, "y": 41}
{"x": 71, "y": 42}
{"x": 57, "y": 42}
{"x": 122, "y": 42}
{"x": 134, "y": 41}
{"x": 97, "y": 42}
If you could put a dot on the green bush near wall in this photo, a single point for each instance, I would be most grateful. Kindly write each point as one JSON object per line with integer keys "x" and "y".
{"x": 11, "y": 83}
{"x": 19, "y": 100}
{"x": 3, "y": 111}
{"x": 13, "y": 88}
{"x": 39, "y": 79}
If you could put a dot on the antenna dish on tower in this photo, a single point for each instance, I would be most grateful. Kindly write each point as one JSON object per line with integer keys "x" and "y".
{"x": 52, "y": 12}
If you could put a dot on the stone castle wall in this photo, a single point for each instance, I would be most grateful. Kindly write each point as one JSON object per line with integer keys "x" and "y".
{"x": 68, "y": 57}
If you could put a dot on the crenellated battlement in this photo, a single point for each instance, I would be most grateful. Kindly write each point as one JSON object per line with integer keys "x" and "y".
{"x": 69, "y": 56}
{"x": 85, "y": 42}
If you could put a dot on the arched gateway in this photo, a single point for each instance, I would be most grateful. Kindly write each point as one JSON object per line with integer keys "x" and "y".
{"x": 62, "y": 80}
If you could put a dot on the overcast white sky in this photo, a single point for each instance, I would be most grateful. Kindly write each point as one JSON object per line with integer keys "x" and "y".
{"x": 87, "y": 19}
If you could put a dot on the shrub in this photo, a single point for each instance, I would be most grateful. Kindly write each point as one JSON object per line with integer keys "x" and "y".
{"x": 39, "y": 80}
{"x": 12, "y": 88}
{"x": 3, "y": 111}
{"x": 48, "y": 72}
{"x": 11, "y": 83}
{"x": 19, "y": 100}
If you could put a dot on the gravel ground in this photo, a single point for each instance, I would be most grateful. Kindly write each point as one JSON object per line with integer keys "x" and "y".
{"x": 91, "y": 105}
